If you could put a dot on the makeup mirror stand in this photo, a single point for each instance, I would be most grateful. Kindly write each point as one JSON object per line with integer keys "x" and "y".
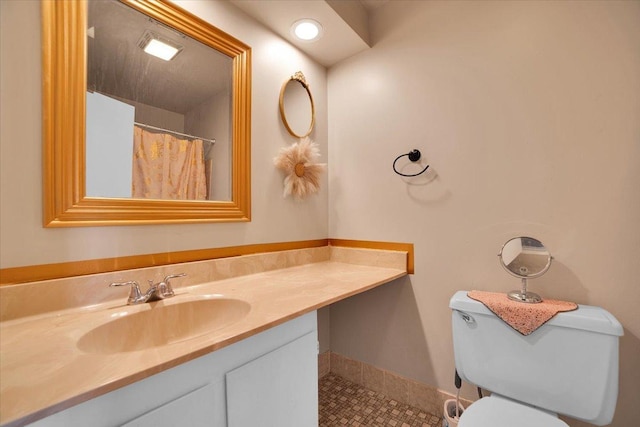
{"x": 523, "y": 296}
{"x": 525, "y": 258}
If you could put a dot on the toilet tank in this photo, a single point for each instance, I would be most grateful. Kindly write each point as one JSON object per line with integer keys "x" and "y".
{"x": 568, "y": 366}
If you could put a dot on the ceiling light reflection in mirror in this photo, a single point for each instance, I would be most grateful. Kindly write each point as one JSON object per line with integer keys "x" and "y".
{"x": 156, "y": 46}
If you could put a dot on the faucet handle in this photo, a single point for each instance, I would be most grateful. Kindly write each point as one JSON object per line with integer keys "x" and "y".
{"x": 168, "y": 290}
{"x": 174, "y": 276}
{"x": 135, "y": 294}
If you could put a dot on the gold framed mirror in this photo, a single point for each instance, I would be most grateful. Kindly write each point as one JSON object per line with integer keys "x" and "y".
{"x": 65, "y": 94}
{"x": 297, "y": 109}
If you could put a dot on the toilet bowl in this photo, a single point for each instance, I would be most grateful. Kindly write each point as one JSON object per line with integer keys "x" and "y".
{"x": 497, "y": 411}
{"x": 567, "y": 366}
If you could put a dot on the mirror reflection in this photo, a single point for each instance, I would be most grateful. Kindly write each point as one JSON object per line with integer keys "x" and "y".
{"x": 158, "y": 122}
{"x": 297, "y": 109}
{"x": 526, "y": 258}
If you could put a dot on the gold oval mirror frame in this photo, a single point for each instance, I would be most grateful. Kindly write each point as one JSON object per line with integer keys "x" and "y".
{"x": 297, "y": 78}
{"x": 65, "y": 202}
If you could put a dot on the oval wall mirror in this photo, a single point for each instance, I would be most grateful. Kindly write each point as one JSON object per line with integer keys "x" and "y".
{"x": 297, "y": 109}
{"x": 525, "y": 258}
{"x": 103, "y": 90}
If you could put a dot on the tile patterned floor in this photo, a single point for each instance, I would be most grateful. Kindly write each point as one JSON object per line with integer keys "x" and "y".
{"x": 343, "y": 403}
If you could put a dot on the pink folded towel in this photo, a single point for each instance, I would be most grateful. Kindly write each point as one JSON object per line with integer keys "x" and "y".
{"x": 524, "y": 318}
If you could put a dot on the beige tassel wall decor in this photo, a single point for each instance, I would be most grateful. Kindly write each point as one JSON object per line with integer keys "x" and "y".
{"x": 298, "y": 162}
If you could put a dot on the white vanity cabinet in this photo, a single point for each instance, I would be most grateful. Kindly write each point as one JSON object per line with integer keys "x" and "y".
{"x": 269, "y": 379}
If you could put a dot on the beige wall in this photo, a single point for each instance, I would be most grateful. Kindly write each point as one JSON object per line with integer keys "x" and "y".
{"x": 529, "y": 114}
{"x": 23, "y": 239}
{"x": 526, "y": 111}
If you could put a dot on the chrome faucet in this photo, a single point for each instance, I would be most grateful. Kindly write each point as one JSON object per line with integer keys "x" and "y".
{"x": 155, "y": 292}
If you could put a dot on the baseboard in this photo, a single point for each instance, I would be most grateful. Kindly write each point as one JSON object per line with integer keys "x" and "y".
{"x": 422, "y": 396}
{"x": 324, "y": 364}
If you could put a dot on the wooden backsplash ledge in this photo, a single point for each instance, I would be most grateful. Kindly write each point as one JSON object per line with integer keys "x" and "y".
{"x": 33, "y": 273}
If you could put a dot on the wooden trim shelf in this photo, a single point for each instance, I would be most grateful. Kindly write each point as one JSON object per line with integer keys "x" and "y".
{"x": 389, "y": 246}
{"x": 34, "y": 273}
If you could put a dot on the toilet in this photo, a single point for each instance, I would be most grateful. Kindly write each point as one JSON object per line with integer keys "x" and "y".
{"x": 567, "y": 366}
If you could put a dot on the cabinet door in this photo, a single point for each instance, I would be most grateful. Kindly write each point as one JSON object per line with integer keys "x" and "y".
{"x": 279, "y": 389}
{"x": 196, "y": 409}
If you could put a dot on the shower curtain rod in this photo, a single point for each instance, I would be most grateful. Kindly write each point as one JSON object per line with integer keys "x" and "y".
{"x": 210, "y": 141}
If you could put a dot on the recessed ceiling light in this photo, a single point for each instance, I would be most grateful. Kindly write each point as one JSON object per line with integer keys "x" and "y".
{"x": 159, "y": 46}
{"x": 307, "y": 30}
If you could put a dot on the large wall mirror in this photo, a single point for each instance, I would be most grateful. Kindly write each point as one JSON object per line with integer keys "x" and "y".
{"x": 134, "y": 136}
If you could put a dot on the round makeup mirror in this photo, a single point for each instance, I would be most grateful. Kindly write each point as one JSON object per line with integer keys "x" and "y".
{"x": 526, "y": 258}
{"x": 297, "y": 109}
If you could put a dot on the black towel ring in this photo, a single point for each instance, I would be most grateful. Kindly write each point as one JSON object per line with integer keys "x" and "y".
{"x": 414, "y": 156}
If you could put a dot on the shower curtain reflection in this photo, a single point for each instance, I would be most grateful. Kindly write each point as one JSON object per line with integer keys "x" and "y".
{"x": 166, "y": 167}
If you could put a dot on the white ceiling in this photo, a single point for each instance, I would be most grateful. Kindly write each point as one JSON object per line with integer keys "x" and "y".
{"x": 371, "y": 5}
{"x": 116, "y": 63}
{"x": 345, "y": 24}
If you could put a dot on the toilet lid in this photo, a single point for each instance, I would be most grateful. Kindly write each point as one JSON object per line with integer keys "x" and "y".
{"x": 497, "y": 411}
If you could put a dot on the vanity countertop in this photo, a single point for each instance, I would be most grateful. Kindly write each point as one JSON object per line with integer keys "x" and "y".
{"x": 43, "y": 370}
